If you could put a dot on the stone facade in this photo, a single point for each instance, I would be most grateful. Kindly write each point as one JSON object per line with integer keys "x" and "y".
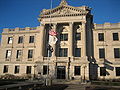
{"x": 76, "y": 53}
{"x": 110, "y": 42}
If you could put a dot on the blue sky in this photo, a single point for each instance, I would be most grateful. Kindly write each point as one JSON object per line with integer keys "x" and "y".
{"x": 24, "y": 13}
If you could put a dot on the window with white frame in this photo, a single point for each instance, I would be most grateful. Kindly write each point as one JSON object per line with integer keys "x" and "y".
{"x": 30, "y": 53}
{"x": 101, "y": 36}
{"x": 115, "y": 37}
{"x": 63, "y": 37}
{"x": 102, "y": 71}
{"x": 116, "y": 52}
{"x": 78, "y": 36}
{"x": 77, "y": 52}
{"x": 20, "y": 39}
{"x": 117, "y": 71}
{"x": 63, "y": 52}
{"x": 17, "y": 69}
{"x": 8, "y": 53}
{"x": 19, "y": 54}
{"x": 31, "y": 39}
{"x": 10, "y": 40}
{"x": 5, "y": 69}
{"x": 28, "y": 69}
{"x": 101, "y": 53}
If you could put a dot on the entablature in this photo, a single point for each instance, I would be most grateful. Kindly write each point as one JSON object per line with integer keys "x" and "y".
{"x": 107, "y": 26}
{"x": 18, "y": 30}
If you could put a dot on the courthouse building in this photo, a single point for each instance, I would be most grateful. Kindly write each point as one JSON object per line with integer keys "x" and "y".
{"x": 84, "y": 50}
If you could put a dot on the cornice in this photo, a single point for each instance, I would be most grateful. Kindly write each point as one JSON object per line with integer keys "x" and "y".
{"x": 106, "y": 29}
{"x": 17, "y": 62}
{"x": 67, "y": 15}
{"x": 49, "y": 11}
{"x": 19, "y": 32}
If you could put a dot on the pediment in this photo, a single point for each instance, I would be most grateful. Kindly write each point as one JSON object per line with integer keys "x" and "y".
{"x": 62, "y": 10}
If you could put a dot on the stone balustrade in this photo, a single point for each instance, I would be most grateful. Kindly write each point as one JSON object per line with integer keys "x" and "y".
{"x": 107, "y": 25}
{"x": 21, "y": 29}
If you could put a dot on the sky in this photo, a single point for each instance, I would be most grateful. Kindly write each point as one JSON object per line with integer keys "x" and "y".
{"x": 24, "y": 13}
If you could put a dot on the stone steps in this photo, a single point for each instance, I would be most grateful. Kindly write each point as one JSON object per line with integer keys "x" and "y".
{"x": 66, "y": 82}
{"x": 75, "y": 87}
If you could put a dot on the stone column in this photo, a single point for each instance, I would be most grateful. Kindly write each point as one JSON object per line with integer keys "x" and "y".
{"x": 42, "y": 39}
{"x": 84, "y": 38}
{"x": 54, "y": 46}
{"x": 70, "y": 40}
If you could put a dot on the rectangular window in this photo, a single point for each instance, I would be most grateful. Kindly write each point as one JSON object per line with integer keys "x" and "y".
{"x": 5, "y": 70}
{"x": 101, "y": 36}
{"x": 19, "y": 53}
{"x": 30, "y": 53}
{"x": 28, "y": 70}
{"x": 117, "y": 71}
{"x": 17, "y": 68}
{"x": 31, "y": 39}
{"x": 8, "y": 53}
{"x": 63, "y": 52}
{"x": 63, "y": 37}
{"x": 116, "y": 52}
{"x": 45, "y": 69}
{"x": 101, "y": 53}
{"x": 76, "y": 70}
{"x": 102, "y": 71}
{"x": 115, "y": 37}
{"x": 78, "y": 36}
{"x": 10, "y": 40}
{"x": 77, "y": 52}
{"x": 20, "y": 39}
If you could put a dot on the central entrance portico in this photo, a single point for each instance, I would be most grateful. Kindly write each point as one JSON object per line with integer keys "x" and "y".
{"x": 74, "y": 27}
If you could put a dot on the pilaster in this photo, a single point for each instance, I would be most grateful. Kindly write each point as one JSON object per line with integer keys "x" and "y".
{"x": 42, "y": 40}
{"x": 70, "y": 40}
{"x": 84, "y": 37}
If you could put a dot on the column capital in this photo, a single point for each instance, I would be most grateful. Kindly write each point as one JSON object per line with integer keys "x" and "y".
{"x": 54, "y": 23}
{"x": 42, "y": 24}
{"x": 83, "y": 22}
{"x": 71, "y": 22}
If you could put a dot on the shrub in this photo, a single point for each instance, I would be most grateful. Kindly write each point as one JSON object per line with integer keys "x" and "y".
{"x": 8, "y": 76}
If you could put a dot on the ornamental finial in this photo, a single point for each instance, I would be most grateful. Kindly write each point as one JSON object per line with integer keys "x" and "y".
{"x": 63, "y": 2}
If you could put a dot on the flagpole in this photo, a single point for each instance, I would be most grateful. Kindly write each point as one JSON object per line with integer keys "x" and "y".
{"x": 48, "y": 49}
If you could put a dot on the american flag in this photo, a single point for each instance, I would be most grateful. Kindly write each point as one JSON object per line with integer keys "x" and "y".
{"x": 52, "y": 32}
{"x": 52, "y": 37}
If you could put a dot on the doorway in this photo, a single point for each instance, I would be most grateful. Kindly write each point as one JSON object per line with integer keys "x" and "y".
{"x": 61, "y": 72}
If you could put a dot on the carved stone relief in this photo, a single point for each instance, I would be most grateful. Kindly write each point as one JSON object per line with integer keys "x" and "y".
{"x": 79, "y": 28}
{"x": 64, "y": 11}
{"x": 65, "y": 28}
{"x": 63, "y": 43}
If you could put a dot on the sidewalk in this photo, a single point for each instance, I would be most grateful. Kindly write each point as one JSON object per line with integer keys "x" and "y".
{"x": 21, "y": 85}
{"x": 75, "y": 87}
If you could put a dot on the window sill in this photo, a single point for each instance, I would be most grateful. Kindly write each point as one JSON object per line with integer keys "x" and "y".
{"x": 18, "y": 59}
{"x": 7, "y": 59}
{"x": 116, "y": 59}
{"x": 30, "y": 59}
{"x": 115, "y": 40}
{"x": 101, "y": 59}
{"x": 77, "y": 75}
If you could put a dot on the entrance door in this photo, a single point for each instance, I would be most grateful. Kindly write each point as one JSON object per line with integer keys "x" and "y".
{"x": 61, "y": 72}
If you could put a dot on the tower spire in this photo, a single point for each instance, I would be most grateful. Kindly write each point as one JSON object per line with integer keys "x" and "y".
{"x": 63, "y": 2}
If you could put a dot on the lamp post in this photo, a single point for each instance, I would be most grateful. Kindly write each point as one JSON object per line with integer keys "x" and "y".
{"x": 34, "y": 71}
{"x": 84, "y": 73}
